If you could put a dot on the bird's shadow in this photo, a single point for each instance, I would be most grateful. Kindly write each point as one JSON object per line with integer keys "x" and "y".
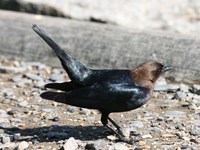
{"x": 57, "y": 133}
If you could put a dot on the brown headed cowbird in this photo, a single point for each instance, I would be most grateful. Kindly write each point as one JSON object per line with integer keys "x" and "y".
{"x": 105, "y": 90}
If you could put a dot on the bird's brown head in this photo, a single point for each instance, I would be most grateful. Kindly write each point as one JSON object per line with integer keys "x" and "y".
{"x": 147, "y": 74}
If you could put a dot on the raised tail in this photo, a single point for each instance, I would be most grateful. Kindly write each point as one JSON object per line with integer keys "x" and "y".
{"x": 76, "y": 70}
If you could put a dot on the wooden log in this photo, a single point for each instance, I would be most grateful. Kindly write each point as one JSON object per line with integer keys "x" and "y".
{"x": 98, "y": 45}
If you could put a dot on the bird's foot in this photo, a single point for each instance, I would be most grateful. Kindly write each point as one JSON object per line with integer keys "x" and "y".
{"x": 127, "y": 140}
{"x": 121, "y": 136}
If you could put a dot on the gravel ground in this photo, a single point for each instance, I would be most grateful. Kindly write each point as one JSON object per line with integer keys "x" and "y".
{"x": 170, "y": 120}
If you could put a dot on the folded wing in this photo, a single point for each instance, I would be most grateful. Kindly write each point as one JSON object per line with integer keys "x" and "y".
{"x": 104, "y": 96}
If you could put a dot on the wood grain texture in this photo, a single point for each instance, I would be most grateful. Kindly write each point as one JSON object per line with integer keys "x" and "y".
{"x": 98, "y": 45}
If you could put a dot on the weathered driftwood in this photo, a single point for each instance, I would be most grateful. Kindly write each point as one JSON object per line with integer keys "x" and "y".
{"x": 98, "y": 45}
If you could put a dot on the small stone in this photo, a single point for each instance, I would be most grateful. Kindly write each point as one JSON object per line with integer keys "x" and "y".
{"x": 70, "y": 144}
{"x": 168, "y": 135}
{"x": 135, "y": 133}
{"x": 160, "y": 118}
{"x": 171, "y": 113}
{"x": 126, "y": 132}
{"x": 85, "y": 111}
{"x": 23, "y": 104}
{"x": 7, "y": 69}
{"x": 184, "y": 88}
{"x": 137, "y": 124}
{"x": 166, "y": 87}
{"x": 17, "y": 78}
{"x": 8, "y": 146}
{"x": 3, "y": 114}
{"x": 57, "y": 77}
{"x": 23, "y": 145}
{"x": 3, "y": 120}
{"x": 33, "y": 76}
{"x": 71, "y": 109}
{"x": 56, "y": 119}
{"x": 186, "y": 138}
{"x": 196, "y": 123}
{"x": 5, "y": 139}
{"x": 119, "y": 146}
{"x": 48, "y": 110}
{"x": 194, "y": 141}
{"x": 90, "y": 118}
{"x": 1, "y": 131}
{"x": 15, "y": 120}
{"x": 195, "y": 131}
{"x": 192, "y": 106}
{"x": 17, "y": 136}
{"x": 141, "y": 143}
{"x": 181, "y": 95}
{"x": 6, "y": 101}
{"x": 36, "y": 119}
{"x": 90, "y": 146}
{"x": 11, "y": 112}
{"x": 111, "y": 137}
{"x": 147, "y": 136}
{"x": 196, "y": 89}
{"x": 39, "y": 84}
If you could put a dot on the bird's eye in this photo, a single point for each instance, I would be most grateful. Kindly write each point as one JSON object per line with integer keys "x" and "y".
{"x": 158, "y": 69}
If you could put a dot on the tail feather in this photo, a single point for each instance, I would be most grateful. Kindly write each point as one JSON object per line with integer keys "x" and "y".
{"x": 76, "y": 70}
{"x": 54, "y": 96}
{"x": 65, "y": 86}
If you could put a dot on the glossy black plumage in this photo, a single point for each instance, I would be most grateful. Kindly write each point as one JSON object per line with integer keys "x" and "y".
{"x": 106, "y": 90}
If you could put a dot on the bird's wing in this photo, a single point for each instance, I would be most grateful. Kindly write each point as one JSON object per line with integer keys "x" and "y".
{"x": 99, "y": 96}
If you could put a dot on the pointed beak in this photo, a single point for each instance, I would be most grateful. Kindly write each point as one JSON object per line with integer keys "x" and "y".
{"x": 166, "y": 68}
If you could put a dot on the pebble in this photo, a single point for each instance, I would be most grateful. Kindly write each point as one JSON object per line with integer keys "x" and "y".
{"x": 195, "y": 131}
{"x": 56, "y": 77}
{"x": 90, "y": 146}
{"x": 71, "y": 109}
{"x": 5, "y": 139}
{"x": 3, "y": 114}
{"x": 49, "y": 110}
{"x": 56, "y": 119}
{"x": 23, "y": 104}
{"x": 119, "y": 146}
{"x": 84, "y": 111}
{"x": 147, "y": 136}
{"x": 181, "y": 95}
{"x": 7, "y": 69}
{"x": 166, "y": 87}
{"x": 196, "y": 89}
{"x": 16, "y": 136}
{"x": 196, "y": 122}
{"x": 184, "y": 88}
{"x": 23, "y": 145}
{"x": 126, "y": 132}
{"x": 17, "y": 78}
{"x": 8, "y": 146}
{"x": 174, "y": 113}
{"x": 39, "y": 84}
{"x": 17, "y": 120}
{"x": 111, "y": 137}
{"x": 70, "y": 144}
{"x": 33, "y": 76}
{"x": 90, "y": 118}
{"x": 136, "y": 124}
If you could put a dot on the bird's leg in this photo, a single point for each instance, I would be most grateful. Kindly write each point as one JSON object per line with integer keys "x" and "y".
{"x": 116, "y": 125}
{"x": 119, "y": 134}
